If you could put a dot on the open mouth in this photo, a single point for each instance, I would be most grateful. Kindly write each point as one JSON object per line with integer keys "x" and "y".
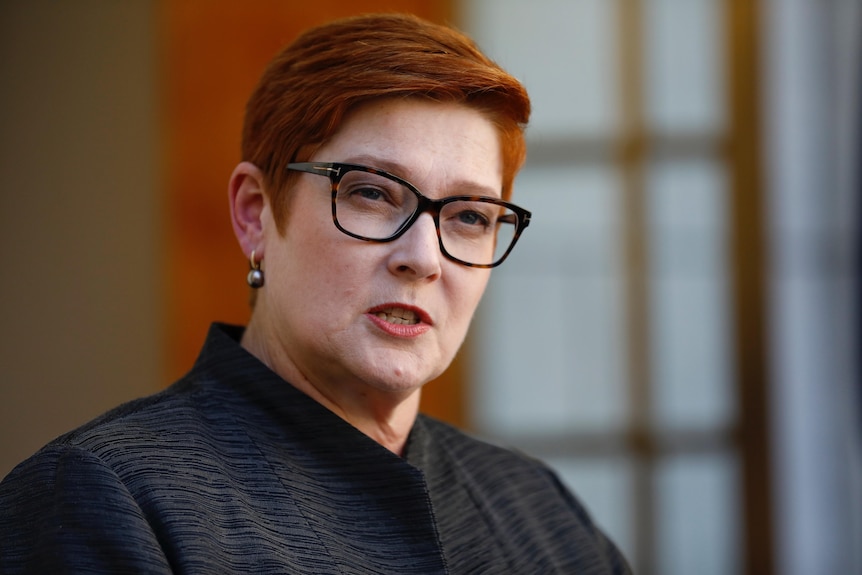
{"x": 398, "y": 316}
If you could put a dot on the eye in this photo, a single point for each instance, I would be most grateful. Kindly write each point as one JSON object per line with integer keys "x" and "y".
{"x": 363, "y": 193}
{"x": 472, "y": 218}
{"x": 371, "y": 190}
{"x": 368, "y": 193}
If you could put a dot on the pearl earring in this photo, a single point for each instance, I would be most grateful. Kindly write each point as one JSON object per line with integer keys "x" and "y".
{"x": 255, "y": 274}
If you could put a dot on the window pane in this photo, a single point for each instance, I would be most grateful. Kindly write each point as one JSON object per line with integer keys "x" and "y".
{"x": 549, "y": 333}
{"x": 698, "y": 515}
{"x": 565, "y": 53}
{"x": 683, "y": 65}
{"x": 690, "y": 312}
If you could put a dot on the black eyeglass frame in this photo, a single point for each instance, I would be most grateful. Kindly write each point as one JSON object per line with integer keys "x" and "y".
{"x": 336, "y": 171}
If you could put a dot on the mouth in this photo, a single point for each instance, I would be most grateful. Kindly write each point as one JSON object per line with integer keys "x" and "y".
{"x": 398, "y": 316}
{"x": 400, "y": 320}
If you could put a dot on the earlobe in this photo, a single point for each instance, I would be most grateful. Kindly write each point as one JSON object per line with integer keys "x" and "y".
{"x": 247, "y": 203}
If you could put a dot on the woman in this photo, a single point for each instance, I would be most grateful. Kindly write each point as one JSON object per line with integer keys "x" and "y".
{"x": 372, "y": 203}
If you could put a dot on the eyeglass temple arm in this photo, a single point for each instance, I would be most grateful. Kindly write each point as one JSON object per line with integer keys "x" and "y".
{"x": 513, "y": 219}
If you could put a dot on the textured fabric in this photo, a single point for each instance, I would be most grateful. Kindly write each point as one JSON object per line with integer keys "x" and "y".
{"x": 233, "y": 470}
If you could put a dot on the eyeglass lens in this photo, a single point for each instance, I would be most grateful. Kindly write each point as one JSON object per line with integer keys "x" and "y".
{"x": 376, "y": 208}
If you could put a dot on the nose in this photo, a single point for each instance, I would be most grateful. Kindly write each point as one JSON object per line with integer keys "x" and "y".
{"x": 416, "y": 254}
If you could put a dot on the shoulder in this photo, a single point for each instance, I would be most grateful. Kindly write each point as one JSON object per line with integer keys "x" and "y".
{"x": 504, "y": 476}
{"x": 56, "y": 477}
{"x": 148, "y": 421}
{"x": 64, "y": 508}
{"x": 524, "y": 501}
{"x": 93, "y": 492}
{"x": 480, "y": 456}
{"x": 143, "y": 436}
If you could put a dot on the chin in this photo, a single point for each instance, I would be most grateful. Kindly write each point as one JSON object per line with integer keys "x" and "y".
{"x": 398, "y": 379}
{"x": 396, "y": 385}
{"x": 398, "y": 370}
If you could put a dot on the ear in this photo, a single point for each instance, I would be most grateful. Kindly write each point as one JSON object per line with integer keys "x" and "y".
{"x": 247, "y": 207}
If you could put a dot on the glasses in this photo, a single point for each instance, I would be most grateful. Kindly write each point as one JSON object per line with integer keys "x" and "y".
{"x": 375, "y": 206}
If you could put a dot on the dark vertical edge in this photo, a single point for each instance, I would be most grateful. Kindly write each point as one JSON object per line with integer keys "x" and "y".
{"x": 748, "y": 249}
{"x": 633, "y": 155}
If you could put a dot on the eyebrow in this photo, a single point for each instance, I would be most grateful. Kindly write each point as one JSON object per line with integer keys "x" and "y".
{"x": 398, "y": 169}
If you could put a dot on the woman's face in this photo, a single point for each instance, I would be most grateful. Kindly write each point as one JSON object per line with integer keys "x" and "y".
{"x": 331, "y": 305}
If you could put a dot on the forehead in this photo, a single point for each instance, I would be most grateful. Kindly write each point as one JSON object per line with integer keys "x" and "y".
{"x": 431, "y": 144}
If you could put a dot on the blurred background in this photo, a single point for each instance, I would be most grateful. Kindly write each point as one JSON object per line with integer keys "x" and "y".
{"x": 677, "y": 332}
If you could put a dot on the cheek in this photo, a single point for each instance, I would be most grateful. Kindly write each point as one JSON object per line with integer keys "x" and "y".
{"x": 467, "y": 294}
{"x": 333, "y": 279}
{"x": 312, "y": 255}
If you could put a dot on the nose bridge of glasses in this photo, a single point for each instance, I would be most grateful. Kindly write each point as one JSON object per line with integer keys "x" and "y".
{"x": 412, "y": 225}
{"x": 413, "y": 213}
{"x": 419, "y": 239}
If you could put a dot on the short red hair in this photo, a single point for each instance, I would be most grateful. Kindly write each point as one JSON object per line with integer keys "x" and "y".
{"x": 306, "y": 91}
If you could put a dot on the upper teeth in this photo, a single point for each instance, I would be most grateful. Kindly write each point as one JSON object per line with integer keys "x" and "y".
{"x": 400, "y": 316}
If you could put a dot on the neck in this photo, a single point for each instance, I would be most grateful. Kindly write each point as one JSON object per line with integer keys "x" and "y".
{"x": 384, "y": 416}
{"x": 384, "y": 419}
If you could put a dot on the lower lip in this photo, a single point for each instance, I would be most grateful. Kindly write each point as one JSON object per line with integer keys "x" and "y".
{"x": 399, "y": 329}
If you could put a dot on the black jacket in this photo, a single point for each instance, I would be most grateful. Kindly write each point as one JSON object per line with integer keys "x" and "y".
{"x": 233, "y": 470}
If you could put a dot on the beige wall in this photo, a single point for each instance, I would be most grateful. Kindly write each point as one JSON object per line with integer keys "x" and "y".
{"x": 79, "y": 178}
